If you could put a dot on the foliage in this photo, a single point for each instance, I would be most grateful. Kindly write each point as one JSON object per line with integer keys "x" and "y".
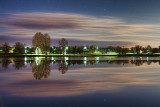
{"x": 62, "y": 44}
{"x": 41, "y": 41}
{"x": 137, "y": 49}
{"x": 5, "y": 47}
{"x": 19, "y": 47}
{"x": 76, "y": 49}
{"x": 93, "y": 48}
{"x": 41, "y": 70}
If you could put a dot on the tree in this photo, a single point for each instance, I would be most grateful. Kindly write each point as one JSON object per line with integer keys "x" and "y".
{"x": 124, "y": 51}
{"x": 19, "y": 47}
{"x": 41, "y": 41}
{"x": 6, "y": 47}
{"x": 92, "y": 48}
{"x": 118, "y": 50}
{"x": 63, "y": 43}
{"x": 148, "y": 49}
{"x": 137, "y": 48}
{"x": 46, "y": 42}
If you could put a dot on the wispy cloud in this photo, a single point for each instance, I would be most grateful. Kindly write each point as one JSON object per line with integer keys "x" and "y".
{"x": 78, "y": 27}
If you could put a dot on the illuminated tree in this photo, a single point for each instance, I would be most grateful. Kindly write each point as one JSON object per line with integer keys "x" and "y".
{"x": 41, "y": 41}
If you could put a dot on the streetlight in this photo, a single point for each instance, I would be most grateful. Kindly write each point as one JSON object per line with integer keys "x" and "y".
{"x": 66, "y": 48}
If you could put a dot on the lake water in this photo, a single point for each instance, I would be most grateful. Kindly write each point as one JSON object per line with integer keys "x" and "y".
{"x": 80, "y": 82}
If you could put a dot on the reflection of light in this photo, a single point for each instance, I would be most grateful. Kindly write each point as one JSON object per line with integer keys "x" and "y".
{"x": 52, "y": 58}
{"x": 97, "y": 59}
{"x": 85, "y": 60}
{"x": 85, "y": 47}
{"x": 133, "y": 58}
{"x": 147, "y": 58}
{"x": 25, "y": 59}
{"x": 66, "y": 58}
{"x": 37, "y": 61}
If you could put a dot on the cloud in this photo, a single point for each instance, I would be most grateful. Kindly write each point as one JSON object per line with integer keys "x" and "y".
{"x": 77, "y": 26}
{"x": 77, "y": 82}
{"x": 72, "y": 42}
{"x": 54, "y": 21}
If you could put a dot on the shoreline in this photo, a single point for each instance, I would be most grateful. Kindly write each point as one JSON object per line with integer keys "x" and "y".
{"x": 76, "y": 55}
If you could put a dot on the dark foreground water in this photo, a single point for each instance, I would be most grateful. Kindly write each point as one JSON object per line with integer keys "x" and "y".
{"x": 80, "y": 82}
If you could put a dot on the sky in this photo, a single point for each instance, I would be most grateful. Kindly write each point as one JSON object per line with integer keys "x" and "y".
{"x": 97, "y": 22}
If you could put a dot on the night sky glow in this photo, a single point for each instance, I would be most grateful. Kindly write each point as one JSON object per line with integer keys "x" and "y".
{"x": 101, "y": 22}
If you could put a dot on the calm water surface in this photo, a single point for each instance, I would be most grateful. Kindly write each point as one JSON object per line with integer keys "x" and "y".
{"x": 80, "y": 82}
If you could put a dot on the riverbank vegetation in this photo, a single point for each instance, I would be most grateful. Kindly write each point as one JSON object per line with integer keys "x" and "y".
{"x": 41, "y": 45}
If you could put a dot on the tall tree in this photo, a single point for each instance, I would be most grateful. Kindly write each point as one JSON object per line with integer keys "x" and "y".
{"x": 63, "y": 43}
{"x": 6, "y": 47}
{"x": 41, "y": 41}
{"x": 46, "y": 42}
{"x": 19, "y": 47}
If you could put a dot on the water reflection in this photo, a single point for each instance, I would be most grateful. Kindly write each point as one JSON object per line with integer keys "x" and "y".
{"x": 41, "y": 69}
{"x": 5, "y": 63}
{"x": 62, "y": 66}
{"x": 41, "y": 66}
{"x": 19, "y": 63}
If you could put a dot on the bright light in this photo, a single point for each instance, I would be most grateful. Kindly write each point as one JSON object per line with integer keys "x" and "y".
{"x": 52, "y": 58}
{"x": 25, "y": 60}
{"x": 85, "y": 47}
{"x": 67, "y": 48}
{"x": 37, "y": 61}
{"x": 66, "y": 58}
{"x": 97, "y": 58}
{"x": 85, "y": 58}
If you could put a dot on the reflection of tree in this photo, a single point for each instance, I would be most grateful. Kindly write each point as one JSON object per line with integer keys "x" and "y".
{"x": 118, "y": 62}
{"x": 5, "y": 63}
{"x": 149, "y": 62}
{"x": 75, "y": 62}
{"x": 137, "y": 62}
{"x": 19, "y": 63}
{"x": 42, "y": 70}
{"x": 63, "y": 68}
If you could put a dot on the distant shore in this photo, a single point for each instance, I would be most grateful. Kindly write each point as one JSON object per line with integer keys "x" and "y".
{"x": 75, "y": 55}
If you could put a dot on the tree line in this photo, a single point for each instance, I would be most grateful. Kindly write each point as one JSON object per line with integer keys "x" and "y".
{"x": 41, "y": 43}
